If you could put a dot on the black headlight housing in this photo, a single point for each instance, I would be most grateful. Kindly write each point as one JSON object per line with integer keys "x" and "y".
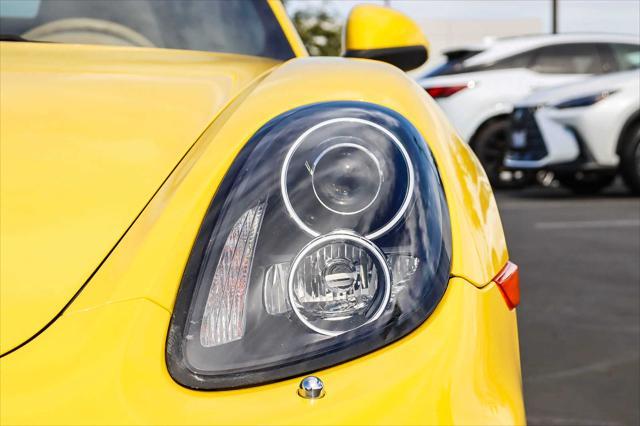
{"x": 328, "y": 238}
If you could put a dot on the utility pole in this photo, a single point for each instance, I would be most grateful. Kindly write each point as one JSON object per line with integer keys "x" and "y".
{"x": 554, "y": 16}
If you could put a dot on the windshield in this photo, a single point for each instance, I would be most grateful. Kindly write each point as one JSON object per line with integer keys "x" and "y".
{"x": 233, "y": 26}
{"x": 454, "y": 63}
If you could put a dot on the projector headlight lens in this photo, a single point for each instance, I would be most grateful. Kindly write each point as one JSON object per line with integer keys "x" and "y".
{"x": 347, "y": 163}
{"x": 344, "y": 249}
{"x": 339, "y": 282}
{"x": 346, "y": 178}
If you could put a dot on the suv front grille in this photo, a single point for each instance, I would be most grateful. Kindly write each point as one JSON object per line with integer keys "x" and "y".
{"x": 531, "y": 146}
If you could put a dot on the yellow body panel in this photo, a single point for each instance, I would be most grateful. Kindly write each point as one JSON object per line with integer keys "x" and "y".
{"x": 103, "y": 361}
{"x": 460, "y": 367}
{"x": 368, "y": 28}
{"x": 138, "y": 267}
{"x": 87, "y": 137}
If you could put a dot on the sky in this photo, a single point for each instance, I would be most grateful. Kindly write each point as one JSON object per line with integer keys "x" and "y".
{"x": 612, "y": 16}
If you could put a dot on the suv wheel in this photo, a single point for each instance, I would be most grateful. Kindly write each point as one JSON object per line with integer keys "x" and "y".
{"x": 630, "y": 160}
{"x": 490, "y": 145}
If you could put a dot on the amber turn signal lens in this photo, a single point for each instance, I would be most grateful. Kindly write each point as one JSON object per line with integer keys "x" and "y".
{"x": 508, "y": 280}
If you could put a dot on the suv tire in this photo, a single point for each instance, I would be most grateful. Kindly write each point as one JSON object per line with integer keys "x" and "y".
{"x": 630, "y": 160}
{"x": 490, "y": 145}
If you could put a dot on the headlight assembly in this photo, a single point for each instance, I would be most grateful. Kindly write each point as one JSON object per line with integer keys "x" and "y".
{"x": 328, "y": 238}
{"x": 585, "y": 101}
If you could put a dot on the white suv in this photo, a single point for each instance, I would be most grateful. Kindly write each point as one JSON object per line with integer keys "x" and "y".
{"x": 478, "y": 85}
{"x": 586, "y": 132}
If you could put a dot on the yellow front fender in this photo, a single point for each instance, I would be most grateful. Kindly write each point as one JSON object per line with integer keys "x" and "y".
{"x": 168, "y": 226}
{"x": 106, "y": 366}
{"x": 102, "y": 361}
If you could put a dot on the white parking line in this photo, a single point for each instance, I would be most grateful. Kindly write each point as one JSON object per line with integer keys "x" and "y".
{"x": 619, "y": 223}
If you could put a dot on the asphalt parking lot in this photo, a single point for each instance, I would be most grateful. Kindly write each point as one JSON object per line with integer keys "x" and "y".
{"x": 579, "y": 319}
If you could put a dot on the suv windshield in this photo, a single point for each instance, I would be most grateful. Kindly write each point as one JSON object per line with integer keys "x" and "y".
{"x": 233, "y": 26}
{"x": 454, "y": 63}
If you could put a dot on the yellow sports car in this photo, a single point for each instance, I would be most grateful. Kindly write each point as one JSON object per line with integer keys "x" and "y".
{"x": 202, "y": 225}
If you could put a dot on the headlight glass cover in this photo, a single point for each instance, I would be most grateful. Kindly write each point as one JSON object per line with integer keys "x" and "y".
{"x": 585, "y": 101}
{"x": 328, "y": 238}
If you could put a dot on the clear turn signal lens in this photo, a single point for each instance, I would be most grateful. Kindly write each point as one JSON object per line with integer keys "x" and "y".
{"x": 224, "y": 314}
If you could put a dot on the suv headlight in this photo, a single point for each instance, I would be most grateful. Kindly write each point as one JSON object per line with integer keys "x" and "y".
{"x": 328, "y": 238}
{"x": 585, "y": 101}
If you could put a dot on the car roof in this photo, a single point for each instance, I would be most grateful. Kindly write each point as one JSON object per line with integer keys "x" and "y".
{"x": 499, "y": 48}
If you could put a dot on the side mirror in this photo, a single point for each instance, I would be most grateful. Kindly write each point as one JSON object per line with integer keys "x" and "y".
{"x": 384, "y": 34}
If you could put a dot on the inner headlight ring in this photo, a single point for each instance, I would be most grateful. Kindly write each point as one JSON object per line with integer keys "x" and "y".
{"x": 408, "y": 164}
{"x": 342, "y": 236}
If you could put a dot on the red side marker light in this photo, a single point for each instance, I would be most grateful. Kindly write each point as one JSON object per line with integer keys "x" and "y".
{"x": 444, "y": 91}
{"x": 508, "y": 280}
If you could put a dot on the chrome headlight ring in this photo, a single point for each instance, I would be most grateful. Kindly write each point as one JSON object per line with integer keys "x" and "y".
{"x": 408, "y": 164}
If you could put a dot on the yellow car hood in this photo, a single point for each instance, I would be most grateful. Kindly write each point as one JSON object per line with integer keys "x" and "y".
{"x": 87, "y": 135}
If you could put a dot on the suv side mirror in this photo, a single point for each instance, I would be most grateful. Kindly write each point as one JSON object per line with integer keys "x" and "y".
{"x": 384, "y": 34}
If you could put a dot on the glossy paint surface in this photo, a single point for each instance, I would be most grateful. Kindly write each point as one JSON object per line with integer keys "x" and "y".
{"x": 88, "y": 135}
{"x": 376, "y": 27}
{"x": 103, "y": 361}
{"x": 460, "y": 367}
{"x": 168, "y": 226}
